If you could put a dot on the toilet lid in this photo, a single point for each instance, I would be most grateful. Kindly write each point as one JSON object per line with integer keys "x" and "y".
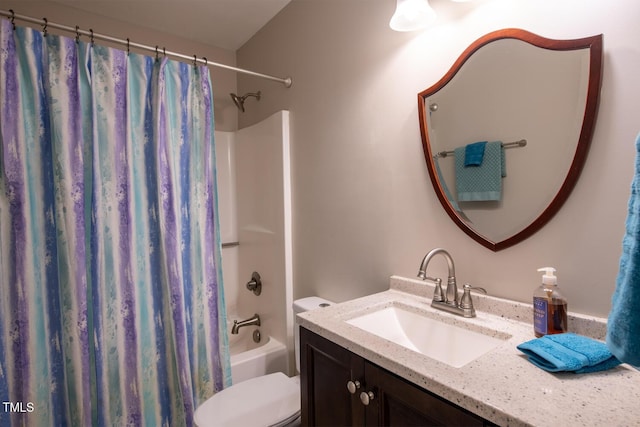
{"x": 260, "y": 401}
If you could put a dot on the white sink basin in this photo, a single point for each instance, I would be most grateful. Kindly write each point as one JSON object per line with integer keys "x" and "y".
{"x": 434, "y": 338}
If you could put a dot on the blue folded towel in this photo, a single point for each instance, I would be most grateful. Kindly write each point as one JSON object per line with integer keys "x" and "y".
{"x": 484, "y": 182}
{"x": 623, "y": 327}
{"x": 474, "y": 153}
{"x": 569, "y": 353}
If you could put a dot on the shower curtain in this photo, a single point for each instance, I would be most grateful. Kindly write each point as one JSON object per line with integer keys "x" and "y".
{"x": 111, "y": 302}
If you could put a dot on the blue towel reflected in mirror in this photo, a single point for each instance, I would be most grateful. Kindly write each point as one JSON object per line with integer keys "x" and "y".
{"x": 474, "y": 154}
{"x": 483, "y": 182}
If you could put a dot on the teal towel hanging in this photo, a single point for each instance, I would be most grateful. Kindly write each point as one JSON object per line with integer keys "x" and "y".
{"x": 623, "y": 327}
{"x": 483, "y": 182}
{"x": 474, "y": 153}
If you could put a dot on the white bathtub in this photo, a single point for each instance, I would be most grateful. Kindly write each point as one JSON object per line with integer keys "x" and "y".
{"x": 249, "y": 360}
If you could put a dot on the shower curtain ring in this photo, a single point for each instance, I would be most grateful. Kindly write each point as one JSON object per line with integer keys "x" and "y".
{"x": 77, "y": 34}
{"x": 164, "y": 51}
{"x": 44, "y": 27}
{"x": 91, "y": 38}
{"x": 13, "y": 19}
{"x": 195, "y": 60}
{"x": 128, "y": 46}
{"x": 157, "y": 55}
{"x": 206, "y": 62}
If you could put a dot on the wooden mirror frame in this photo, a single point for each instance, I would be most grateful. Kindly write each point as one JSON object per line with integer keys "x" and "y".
{"x": 594, "y": 44}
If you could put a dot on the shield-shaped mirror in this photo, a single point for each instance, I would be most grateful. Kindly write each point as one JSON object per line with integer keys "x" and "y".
{"x": 507, "y": 130}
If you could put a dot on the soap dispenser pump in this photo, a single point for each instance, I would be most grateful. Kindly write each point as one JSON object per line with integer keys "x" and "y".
{"x": 549, "y": 306}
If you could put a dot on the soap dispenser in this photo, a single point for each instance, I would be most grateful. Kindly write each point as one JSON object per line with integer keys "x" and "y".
{"x": 549, "y": 306}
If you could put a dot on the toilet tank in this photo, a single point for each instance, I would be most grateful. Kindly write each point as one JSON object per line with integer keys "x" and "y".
{"x": 300, "y": 306}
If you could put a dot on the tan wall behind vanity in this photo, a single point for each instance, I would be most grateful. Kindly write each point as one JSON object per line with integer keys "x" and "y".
{"x": 364, "y": 208}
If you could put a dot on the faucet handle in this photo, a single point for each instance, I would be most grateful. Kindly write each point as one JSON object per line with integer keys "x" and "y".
{"x": 466, "y": 303}
{"x": 474, "y": 288}
{"x": 437, "y": 292}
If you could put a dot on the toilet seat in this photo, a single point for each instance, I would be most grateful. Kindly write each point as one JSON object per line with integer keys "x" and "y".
{"x": 269, "y": 400}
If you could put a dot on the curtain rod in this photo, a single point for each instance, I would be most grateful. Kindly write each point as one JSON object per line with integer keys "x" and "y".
{"x": 92, "y": 35}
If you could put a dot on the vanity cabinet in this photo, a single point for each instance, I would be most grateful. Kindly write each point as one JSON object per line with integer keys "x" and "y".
{"x": 340, "y": 388}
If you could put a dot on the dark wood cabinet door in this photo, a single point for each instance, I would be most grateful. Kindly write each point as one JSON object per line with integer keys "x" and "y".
{"x": 400, "y": 403}
{"x": 325, "y": 370}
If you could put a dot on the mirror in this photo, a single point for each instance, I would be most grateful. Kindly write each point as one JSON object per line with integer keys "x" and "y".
{"x": 533, "y": 101}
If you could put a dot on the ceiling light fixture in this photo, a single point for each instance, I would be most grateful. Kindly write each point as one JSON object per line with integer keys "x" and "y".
{"x": 412, "y": 15}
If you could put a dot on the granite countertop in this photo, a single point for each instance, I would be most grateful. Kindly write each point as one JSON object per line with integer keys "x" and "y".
{"x": 500, "y": 386}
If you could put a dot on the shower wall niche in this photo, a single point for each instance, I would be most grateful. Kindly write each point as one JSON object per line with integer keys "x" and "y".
{"x": 254, "y": 199}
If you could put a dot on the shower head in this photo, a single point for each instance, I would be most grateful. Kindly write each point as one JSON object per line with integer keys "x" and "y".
{"x": 239, "y": 100}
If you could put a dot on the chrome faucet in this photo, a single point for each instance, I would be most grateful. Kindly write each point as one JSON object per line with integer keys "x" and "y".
{"x": 255, "y": 320}
{"x": 451, "y": 296}
{"x": 449, "y": 301}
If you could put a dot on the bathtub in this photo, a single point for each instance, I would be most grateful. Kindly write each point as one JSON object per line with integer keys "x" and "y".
{"x": 249, "y": 360}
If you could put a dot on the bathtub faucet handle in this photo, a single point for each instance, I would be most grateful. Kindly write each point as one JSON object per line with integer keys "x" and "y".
{"x": 255, "y": 284}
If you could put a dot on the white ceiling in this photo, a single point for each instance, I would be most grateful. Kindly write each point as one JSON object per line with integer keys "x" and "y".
{"x": 223, "y": 23}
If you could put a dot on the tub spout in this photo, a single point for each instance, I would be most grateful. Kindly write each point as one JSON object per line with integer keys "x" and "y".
{"x": 255, "y": 320}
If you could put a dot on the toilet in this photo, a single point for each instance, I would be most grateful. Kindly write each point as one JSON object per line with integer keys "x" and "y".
{"x": 269, "y": 400}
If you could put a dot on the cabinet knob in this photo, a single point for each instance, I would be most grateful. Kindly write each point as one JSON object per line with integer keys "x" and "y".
{"x": 366, "y": 397}
{"x": 353, "y": 386}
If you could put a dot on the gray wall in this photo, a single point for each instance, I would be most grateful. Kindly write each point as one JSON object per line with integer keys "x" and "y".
{"x": 363, "y": 206}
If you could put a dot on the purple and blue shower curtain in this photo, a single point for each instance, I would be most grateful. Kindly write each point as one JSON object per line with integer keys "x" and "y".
{"x": 111, "y": 301}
